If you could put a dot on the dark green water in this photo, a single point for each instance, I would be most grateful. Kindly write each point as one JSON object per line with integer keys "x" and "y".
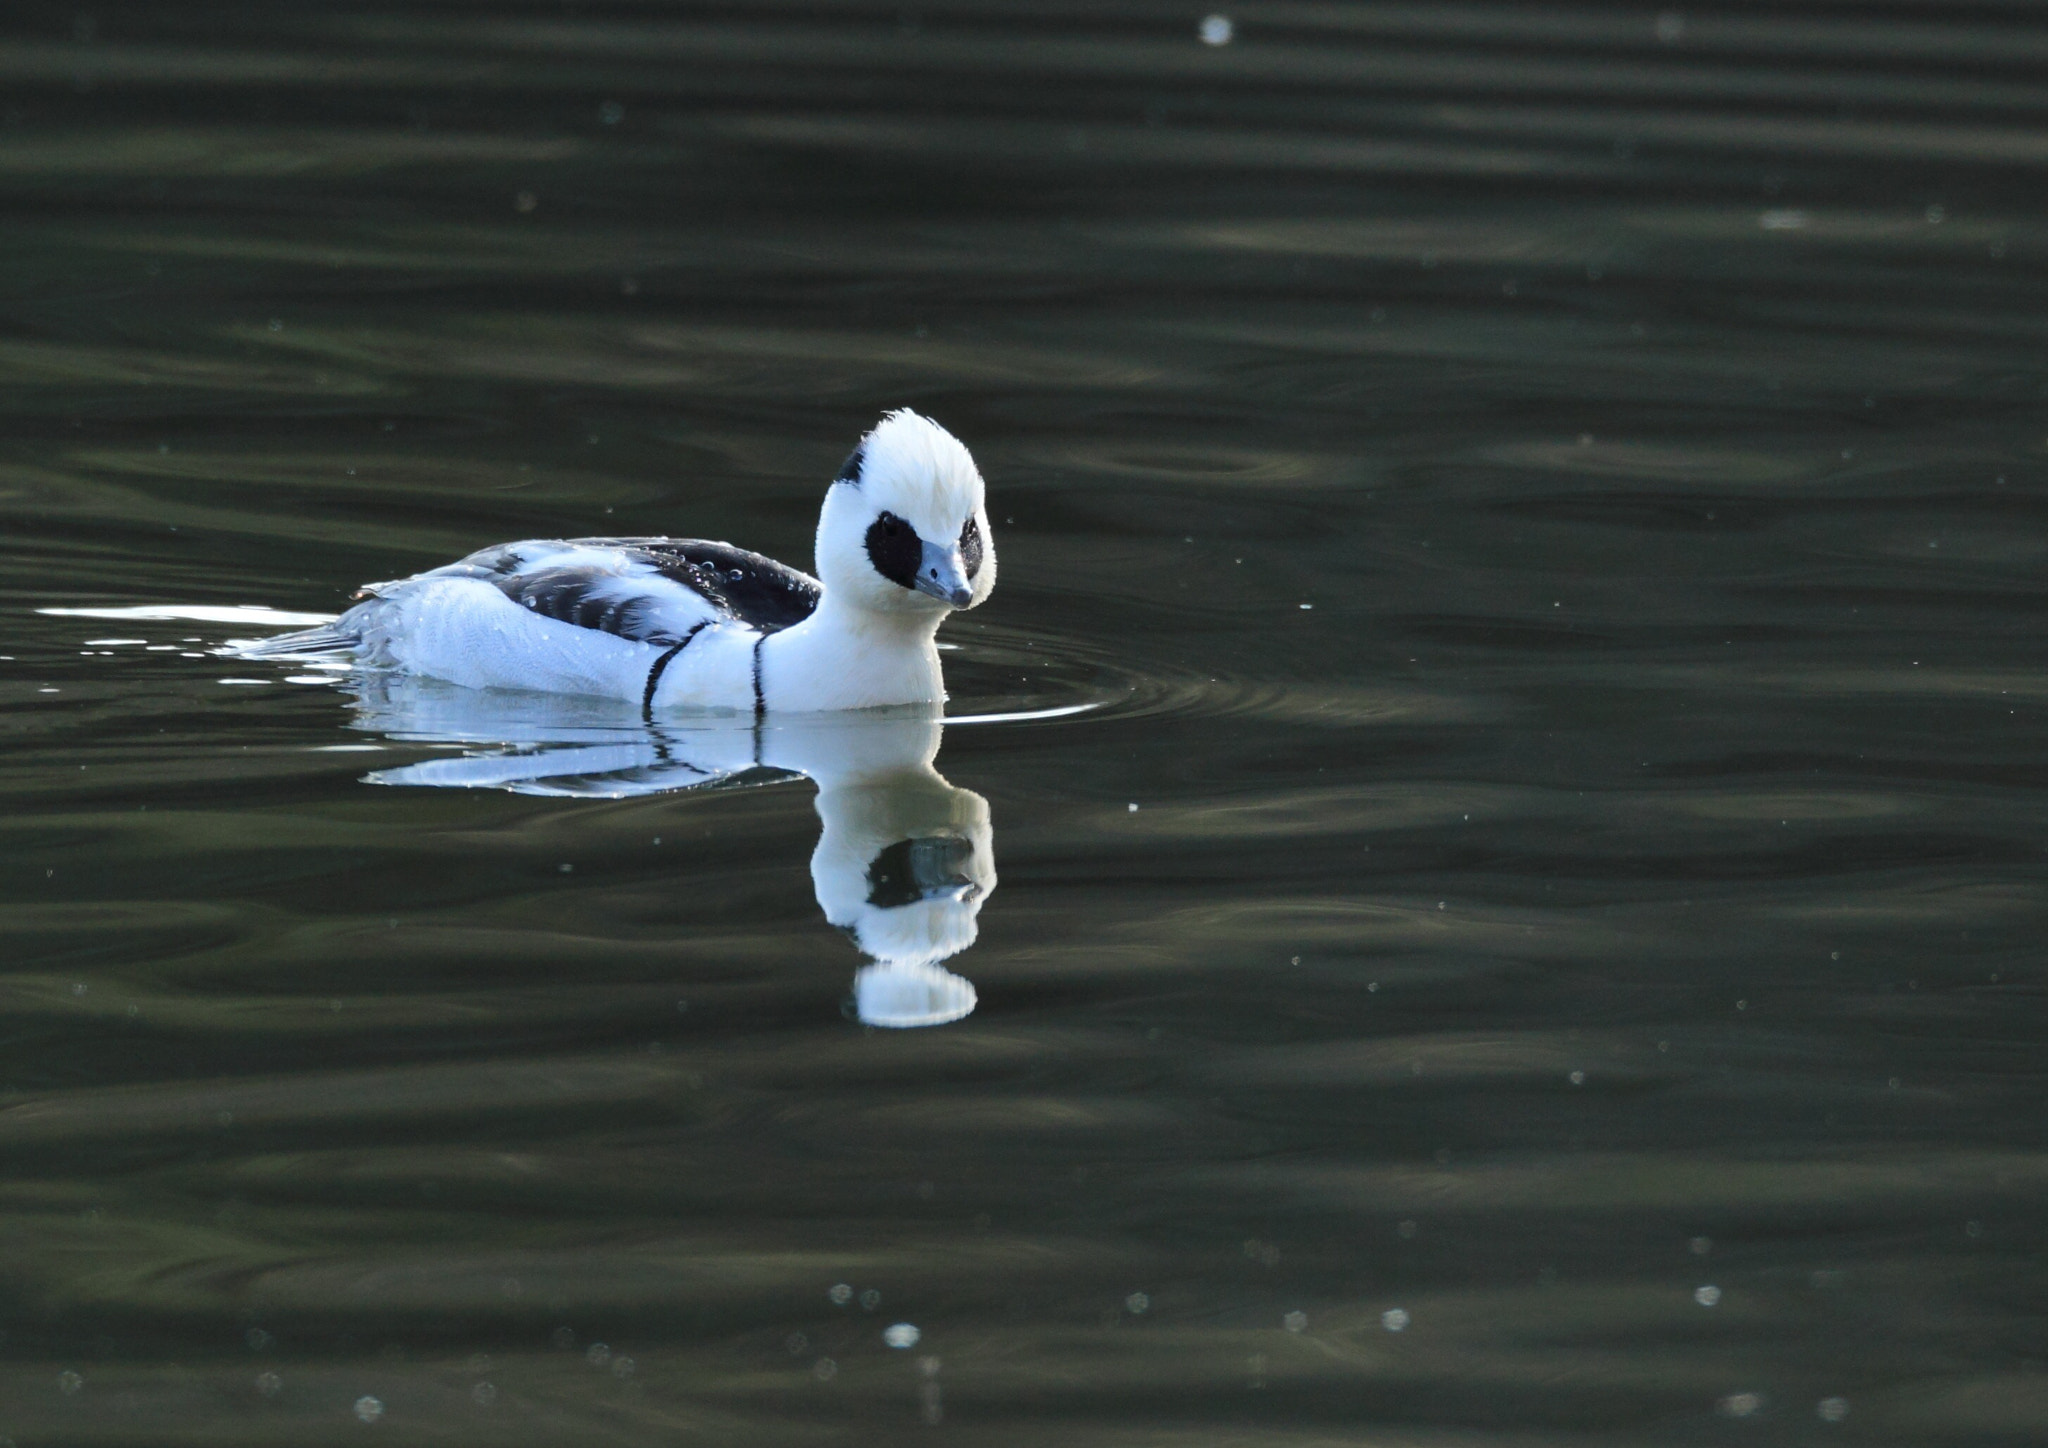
{"x": 1600, "y": 938}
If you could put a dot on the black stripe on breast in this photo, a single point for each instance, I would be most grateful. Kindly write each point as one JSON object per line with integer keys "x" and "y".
{"x": 661, "y": 666}
{"x": 760, "y": 700}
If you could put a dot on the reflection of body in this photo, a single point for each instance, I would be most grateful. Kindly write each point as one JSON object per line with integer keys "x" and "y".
{"x": 674, "y": 623}
{"x": 904, "y": 859}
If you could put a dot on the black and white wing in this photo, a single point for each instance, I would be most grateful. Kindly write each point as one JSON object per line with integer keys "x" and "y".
{"x": 752, "y": 588}
{"x": 651, "y": 590}
{"x": 655, "y": 590}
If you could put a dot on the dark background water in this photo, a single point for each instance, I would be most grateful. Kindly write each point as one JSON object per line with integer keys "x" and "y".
{"x": 1625, "y": 880}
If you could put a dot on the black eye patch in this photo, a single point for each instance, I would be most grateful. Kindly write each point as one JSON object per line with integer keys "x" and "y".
{"x": 970, "y": 547}
{"x": 913, "y": 870}
{"x": 895, "y": 550}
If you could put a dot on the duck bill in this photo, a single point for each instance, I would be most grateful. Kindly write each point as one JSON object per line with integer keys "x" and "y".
{"x": 943, "y": 574}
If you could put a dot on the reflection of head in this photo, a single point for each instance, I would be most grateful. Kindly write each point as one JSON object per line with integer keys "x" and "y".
{"x": 903, "y": 864}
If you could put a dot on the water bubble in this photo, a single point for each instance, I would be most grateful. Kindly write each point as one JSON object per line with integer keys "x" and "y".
{"x": 1578, "y": 1078}
{"x": 597, "y": 1354}
{"x": 611, "y": 113}
{"x": 69, "y": 1383}
{"x": 257, "y": 1339}
{"x": 1973, "y": 1229}
{"x": 824, "y": 1370}
{"x": 1707, "y": 1296}
{"x": 1137, "y": 1304}
{"x": 563, "y": 1337}
{"x": 369, "y": 1409}
{"x": 1134, "y": 809}
{"x": 902, "y": 1335}
{"x": 1832, "y": 1410}
{"x": 841, "y": 1293}
{"x": 871, "y": 1299}
{"x": 483, "y": 1395}
{"x": 1936, "y": 215}
{"x": 525, "y": 201}
{"x": 623, "y": 1367}
{"x": 797, "y": 1344}
{"x": 269, "y": 1384}
{"x": 1295, "y": 1322}
{"x": 1740, "y": 1405}
{"x": 1394, "y": 1319}
{"x": 1700, "y": 1246}
{"x": 1216, "y": 30}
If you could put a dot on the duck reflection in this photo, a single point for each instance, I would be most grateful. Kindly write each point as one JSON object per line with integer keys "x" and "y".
{"x": 904, "y": 859}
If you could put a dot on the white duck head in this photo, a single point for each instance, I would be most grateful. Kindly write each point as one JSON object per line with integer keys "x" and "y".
{"x": 904, "y": 529}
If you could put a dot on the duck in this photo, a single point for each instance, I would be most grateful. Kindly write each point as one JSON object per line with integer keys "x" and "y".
{"x": 672, "y": 624}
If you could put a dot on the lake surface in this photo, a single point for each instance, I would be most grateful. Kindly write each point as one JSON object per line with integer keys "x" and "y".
{"x": 1492, "y": 844}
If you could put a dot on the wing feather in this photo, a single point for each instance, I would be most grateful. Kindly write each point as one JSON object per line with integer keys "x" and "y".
{"x": 651, "y": 589}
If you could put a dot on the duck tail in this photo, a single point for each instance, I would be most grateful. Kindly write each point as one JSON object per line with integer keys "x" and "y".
{"x": 326, "y": 641}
